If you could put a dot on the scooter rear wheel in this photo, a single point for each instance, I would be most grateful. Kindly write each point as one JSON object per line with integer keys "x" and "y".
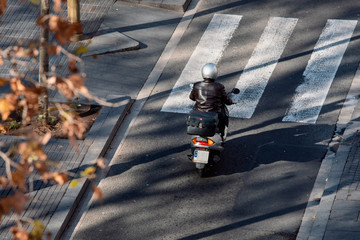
{"x": 201, "y": 172}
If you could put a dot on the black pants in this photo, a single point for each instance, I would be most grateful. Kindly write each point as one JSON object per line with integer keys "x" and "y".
{"x": 223, "y": 121}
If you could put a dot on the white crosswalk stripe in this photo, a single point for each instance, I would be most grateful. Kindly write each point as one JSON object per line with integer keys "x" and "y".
{"x": 262, "y": 63}
{"x": 209, "y": 49}
{"x": 320, "y": 71}
{"x": 309, "y": 96}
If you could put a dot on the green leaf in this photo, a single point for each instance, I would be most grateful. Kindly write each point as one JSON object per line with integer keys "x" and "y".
{"x": 74, "y": 183}
{"x": 38, "y": 230}
{"x": 36, "y": 2}
{"x": 81, "y": 50}
{"x": 88, "y": 171}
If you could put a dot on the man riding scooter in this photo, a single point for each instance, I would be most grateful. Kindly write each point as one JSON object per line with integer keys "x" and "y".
{"x": 209, "y": 96}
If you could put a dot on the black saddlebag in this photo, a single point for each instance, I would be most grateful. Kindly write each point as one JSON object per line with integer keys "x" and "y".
{"x": 202, "y": 123}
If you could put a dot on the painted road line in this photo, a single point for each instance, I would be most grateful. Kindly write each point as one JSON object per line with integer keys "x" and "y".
{"x": 258, "y": 70}
{"x": 320, "y": 71}
{"x": 209, "y": 49}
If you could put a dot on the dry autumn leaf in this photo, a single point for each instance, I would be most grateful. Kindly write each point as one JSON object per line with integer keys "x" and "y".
{"x": 60, "y": 178}
{"x": 19, "y": 234}
{"x": 81, "y": 50}
{"x": 63, "y": 30}
{"x": 3, "y": 81}
{"x": 61, "y": 86}
{"x": 57, "y": 5}
{"x": 6, "y": 205}
{"x": 98, "y": 194}
{"x": 38, "y": 231}
{"x": 19, "y": 202}
{"x": 17, "y": 86}
{"x": 31, "y": 150}
{"x": 7, "y": 105}
{"x": 35, "y": 2}
{"x": 3, "y": 182}
{"x": 2, "y": 6}
{"x": 54, "y": 49}
{"x": 73, "y": 127}
{"x": 72, "y": 65}
{"x": 19, "y": 179}
{"x": 32, "y": 95}
{"x": 41, "y": 167}
{"x": 78, "y": 82}
{"x": 88, "y": 171}
{"x": 16, "y": 202}
{"x": 21, "y": 52}
{"x": 74, "y": 183}
{"x": 101, "y": 163}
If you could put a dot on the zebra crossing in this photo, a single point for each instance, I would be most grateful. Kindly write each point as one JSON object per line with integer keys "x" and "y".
{"x": 308, "y": 97}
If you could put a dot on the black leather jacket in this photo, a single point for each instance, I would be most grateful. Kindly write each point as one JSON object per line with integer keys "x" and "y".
{"x": 209, "y": 96}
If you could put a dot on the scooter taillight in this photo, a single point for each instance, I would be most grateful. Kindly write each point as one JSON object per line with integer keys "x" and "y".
{"x": 202, "y": 141}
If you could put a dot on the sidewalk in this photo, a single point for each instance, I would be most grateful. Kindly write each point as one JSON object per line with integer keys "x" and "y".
{"x": 333, "y": 210}
{"x": 115, "y": 77}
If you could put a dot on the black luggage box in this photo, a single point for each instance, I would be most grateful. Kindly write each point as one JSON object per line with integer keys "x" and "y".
{"x": 202, "y": 123}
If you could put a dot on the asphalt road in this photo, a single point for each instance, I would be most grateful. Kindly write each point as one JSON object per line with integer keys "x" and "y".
{"x": 261, "y": 187}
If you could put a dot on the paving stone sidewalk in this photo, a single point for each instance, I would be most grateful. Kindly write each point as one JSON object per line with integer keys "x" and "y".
{"x": 54, "y": 204}
{"x": 343, "y": 221}
{"x": 333, "y": 213}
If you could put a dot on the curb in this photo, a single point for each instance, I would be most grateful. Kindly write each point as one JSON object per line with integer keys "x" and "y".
{"x": 317, "y": 207}
{"x": 332, "y": 184}
{"x": 175, "y": 5}
{"x": 110, "y": 41}
{"x": 99, "y": 138}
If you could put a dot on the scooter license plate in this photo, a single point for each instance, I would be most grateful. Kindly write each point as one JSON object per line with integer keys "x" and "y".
{"x": 201, "y": 156}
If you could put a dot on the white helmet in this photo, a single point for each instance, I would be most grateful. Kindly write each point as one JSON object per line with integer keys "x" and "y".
{"x": 209, "y": 70}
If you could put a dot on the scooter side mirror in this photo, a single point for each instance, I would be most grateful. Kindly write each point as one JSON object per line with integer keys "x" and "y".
{"x": 235, "y": 91}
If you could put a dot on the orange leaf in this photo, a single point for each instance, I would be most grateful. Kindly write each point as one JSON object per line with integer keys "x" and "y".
{"x": 41, "y": 167}
{"x": 98, "y": 194}
{"x": 3, "y": 81}
{"x": 19, "y": 234}
{"x": 75, "y": 128}
{"x": 57, "y": 5}
{"x": 21, "y": 52}
{"x": 18, "y": 178}
{"x": 16, "y": 85}
{"x": 78, "y": 82}
{"x": 7, "y": 105}
{"x": 2, "y": 6}
{"x": 100, "y": 162}
{"x": 61, "y": 86}
{"x": 3, "y": 181}
{"x": 16, "y": 202}
{"x": 30, "y": 149}
{"x": 41, "y": 21}
{"x": 54, "y": 49}
{"x": 72, "y": 66}
{"x": 60, "y": 178}
{"x": 6, "y": 205}
{"x": 63, "y": 30}
{"x": 19, "y": 202}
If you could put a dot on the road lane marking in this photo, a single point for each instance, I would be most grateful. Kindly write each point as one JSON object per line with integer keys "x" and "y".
{"x": 320, "y": 71}
{"x": 261, "y": 65}
{"x": 209, "y": 49}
